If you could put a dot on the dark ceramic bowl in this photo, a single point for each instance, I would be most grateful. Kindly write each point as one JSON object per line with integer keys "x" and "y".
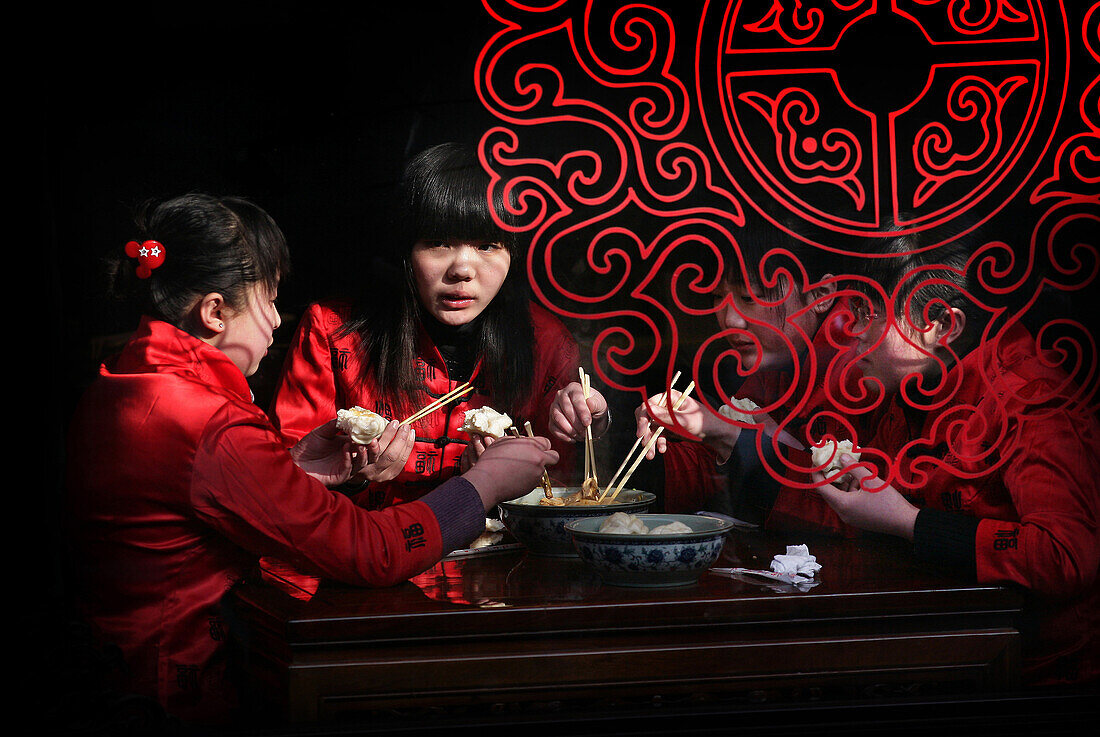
{"x": 542, "y": 529}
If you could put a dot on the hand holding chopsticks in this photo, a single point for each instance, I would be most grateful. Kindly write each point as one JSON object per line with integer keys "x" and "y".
{"x": 573, "y": 411}
{"x": 590, "y": 489}
{"x": 459, "y": 391}
{"x": 660, "y": 403}
{"x": 612, "y": 492}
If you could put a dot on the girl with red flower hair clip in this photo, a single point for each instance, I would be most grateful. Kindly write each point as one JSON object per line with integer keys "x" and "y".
{"x": 177, "y": 483}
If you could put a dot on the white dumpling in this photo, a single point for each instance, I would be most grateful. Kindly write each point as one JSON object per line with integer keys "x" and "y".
{"x": 486, "y": 421}
{"x": 621, "y": 523}
{"x": 672, "y": 528}
{"x": 361, "y": 425}
{"x": 486, "y": 539}
{"x": 830, "y": 453}
{"x": 491, "y": 536}
{"x": 740, "y": 410}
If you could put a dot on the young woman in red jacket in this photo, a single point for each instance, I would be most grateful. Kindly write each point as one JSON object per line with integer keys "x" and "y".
{"x": 177, "y": 483}
{"x": 446, "y": 303}
{"x": 982, "y": 452}
{"x": 785, "y": 336}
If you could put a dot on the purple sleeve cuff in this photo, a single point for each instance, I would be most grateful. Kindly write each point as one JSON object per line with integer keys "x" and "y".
{"x": 459, "y": 511}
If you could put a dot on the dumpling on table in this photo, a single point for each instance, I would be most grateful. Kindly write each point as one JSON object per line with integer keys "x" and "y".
{"x": 361, "y": 425}
{"x": 487, "y": 422}
{"x": 494, "y": 533}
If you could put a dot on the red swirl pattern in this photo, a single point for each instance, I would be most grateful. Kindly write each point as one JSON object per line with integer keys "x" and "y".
{"x": 638, "y": 142}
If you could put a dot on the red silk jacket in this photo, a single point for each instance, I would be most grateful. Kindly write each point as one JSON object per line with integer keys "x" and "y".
{"x": 176, "y": 483}
{"x": 322, "y": 375}
{"x": 1013, "y": 498}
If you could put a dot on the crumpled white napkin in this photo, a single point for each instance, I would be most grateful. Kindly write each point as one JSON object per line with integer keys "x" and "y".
{"x": 797, "y": 568}
{"x": 797, "y": 561}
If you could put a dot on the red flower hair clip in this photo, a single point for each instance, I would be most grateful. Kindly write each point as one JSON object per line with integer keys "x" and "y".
{"x": 149, "y": 254}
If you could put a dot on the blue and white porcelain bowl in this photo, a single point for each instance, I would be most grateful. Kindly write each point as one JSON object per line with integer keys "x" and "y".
{"x": 677, "y": 559}
{"x": 542, "y": 529}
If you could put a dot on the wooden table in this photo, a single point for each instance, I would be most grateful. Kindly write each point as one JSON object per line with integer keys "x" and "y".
{"x": 510, "y": 635}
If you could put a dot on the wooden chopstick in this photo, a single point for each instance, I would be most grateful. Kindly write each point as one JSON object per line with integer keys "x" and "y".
{"x": 589, "y": 453}
{"x": 652, "y": 442}
{"x": 580, "y": 371}
{"x": 458, "y": 391}
{"x": 546, "y": 485}
{"x": 660, "y": 403}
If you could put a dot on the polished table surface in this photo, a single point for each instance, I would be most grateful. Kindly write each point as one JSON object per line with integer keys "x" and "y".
{"x": 508, "y": 630}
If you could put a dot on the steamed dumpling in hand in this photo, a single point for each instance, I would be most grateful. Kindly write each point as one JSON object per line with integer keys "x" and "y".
{"x": 486, "y": 421}
{"x": 820, "y": 455}
{"x": 361, "y": 425}
{"x": 740, "y": 410}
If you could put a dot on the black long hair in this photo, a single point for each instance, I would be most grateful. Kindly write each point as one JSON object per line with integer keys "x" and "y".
{"x": 443, "y": 194}
{"x": 928, "y": 279}
{"x": 212, "y": 244}
{"x": 766, "y": 250}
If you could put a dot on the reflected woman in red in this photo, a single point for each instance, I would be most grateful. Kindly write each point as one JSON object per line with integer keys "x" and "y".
{"x": 177, "y": 483}
{"x": 781, "y": 323}
{"x": 981, "y": 452}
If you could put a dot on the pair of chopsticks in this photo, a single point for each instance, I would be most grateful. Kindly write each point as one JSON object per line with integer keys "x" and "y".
{"x": 458, "y": 391}
{"x": 589, "y": 452}
{"x": 546, "y": 486}
{"x": 612, "y": 489}
{"x": 660, "y": 403}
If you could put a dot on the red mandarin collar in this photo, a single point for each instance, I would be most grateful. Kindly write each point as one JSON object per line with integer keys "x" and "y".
{"x": 158, "y": 347}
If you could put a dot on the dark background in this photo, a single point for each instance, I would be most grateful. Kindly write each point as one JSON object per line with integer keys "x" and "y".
{"x": 310, "y": 109}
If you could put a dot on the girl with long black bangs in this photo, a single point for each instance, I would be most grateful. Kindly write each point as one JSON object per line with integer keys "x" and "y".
{"x": 442, "y": 199}
{"x": 446, "y": 302}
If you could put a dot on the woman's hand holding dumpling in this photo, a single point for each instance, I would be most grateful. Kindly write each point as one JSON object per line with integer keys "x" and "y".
{"x": 326, "y": 454}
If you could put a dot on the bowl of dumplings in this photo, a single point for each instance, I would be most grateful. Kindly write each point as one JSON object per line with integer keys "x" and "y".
{"x": 649, "y": 550}
{"x": 539, "y": 522}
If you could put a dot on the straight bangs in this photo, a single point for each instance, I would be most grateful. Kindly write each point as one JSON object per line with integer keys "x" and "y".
{"x": 443, "y": 195}
{"x": 446, "y": 195}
